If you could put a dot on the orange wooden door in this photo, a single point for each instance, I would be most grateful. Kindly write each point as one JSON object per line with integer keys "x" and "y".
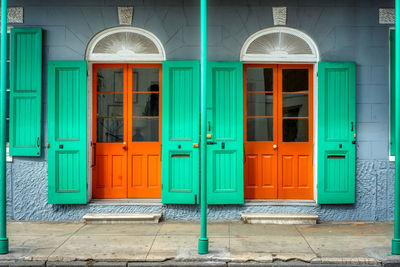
{"x": 260, "y": 131}
{"x": 144, "y": 131}
{"x": 295, "y": 132}
{"x": 278, "y": 131}
{"x": 110, "y": 86}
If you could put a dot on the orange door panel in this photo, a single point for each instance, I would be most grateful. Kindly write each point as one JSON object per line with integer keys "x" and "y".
{"x": 109, "y": 131}
{"x": 295, "y": 128}
{"x": 144, "y": 120}
{"x": 127, "y": 131}
{"x": 278, "y": 131}
{"x": 260, "y": 131}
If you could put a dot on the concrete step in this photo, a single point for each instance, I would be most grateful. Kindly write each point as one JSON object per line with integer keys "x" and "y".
{"x": 115, "y": 218}
{"x": 279, "y": 218}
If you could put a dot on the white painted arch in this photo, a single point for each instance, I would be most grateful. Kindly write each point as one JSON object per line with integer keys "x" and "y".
{"x": 125, "y": 44}
{"x": 279, "y": 44}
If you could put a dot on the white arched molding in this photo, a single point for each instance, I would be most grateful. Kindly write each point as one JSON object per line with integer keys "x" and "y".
{"x": 279, "y": 44}
{"x": 125, "y": 44}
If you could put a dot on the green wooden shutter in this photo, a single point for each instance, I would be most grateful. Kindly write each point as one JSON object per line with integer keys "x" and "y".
{"x": 225, "y": 124}
{"x": 336, "y": 132}
{"x": 180, "y": 130}
{"x": 25, "y": 92}
{"x": 67, "y": 132}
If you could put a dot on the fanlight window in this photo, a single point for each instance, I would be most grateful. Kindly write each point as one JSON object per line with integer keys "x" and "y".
{"x": 279, "y": 44}
{"x": 125, "y": 44}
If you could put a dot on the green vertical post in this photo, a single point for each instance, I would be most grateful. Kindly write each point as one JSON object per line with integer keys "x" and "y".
{"x": 396, "y": 238}
{"x": 3, "y": 221}
{"x": 203, "y": 240}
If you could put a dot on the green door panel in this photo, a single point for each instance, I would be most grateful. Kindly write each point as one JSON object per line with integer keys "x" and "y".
{"x": 25, "y": 92}
{"x": 336, "y": 132}
{"x": 67, "y": 151}
{"x": 180, "y": 130}
{"x": 225, "y": 124}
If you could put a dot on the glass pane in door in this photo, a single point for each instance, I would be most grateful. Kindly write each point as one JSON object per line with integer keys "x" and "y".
{"x": 110, "y": 105}
{"x": 145, "y": 105}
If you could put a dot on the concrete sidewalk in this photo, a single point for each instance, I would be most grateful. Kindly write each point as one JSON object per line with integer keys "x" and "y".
{"x": 231, "y": 243}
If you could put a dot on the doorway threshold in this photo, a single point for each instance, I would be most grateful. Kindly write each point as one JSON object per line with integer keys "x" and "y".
{"x": 126, "y": 202}
{"x": 280, "y": 202}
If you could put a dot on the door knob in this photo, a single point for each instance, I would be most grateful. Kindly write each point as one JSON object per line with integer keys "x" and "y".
{"x": 274, "y": 146}
{"x": 124, "y": 145}
{"x": 195, "y": 145}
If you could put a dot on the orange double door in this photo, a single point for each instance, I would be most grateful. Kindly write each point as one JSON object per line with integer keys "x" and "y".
{"x": 127, "y": 131}
{"x": 278, "y": 131}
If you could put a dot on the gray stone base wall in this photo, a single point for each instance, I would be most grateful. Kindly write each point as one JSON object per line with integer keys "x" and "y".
{"x": 27, "y": 199}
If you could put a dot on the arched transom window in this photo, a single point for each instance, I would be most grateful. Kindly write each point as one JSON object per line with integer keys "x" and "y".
{"x": 126, "y": 44}
{"x": 279, "y": 44}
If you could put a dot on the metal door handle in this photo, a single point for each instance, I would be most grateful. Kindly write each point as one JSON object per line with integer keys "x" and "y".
{"x": 274, "y": 146}
{"x": 211, "y": 143}
{"x": 124, "y": 145}
{"x": 38, "y": 142}
{"x": 195, "y": 145}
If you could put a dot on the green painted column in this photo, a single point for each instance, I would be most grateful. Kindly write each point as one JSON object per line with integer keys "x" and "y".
{"x": 203, "y": 240}
{"x": 3, "y": 97}
{"x": 396, "y": 238}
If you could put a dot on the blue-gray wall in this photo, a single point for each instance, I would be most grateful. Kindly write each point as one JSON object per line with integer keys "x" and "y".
{"x": 344, "y": 30}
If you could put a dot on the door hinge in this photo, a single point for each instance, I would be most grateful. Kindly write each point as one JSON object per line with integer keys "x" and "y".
{"x": 195, "y": 199}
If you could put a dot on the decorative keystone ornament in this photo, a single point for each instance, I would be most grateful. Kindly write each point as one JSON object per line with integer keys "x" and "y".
{"x": 125, "y": 15}
{"x": 279, "y": 14}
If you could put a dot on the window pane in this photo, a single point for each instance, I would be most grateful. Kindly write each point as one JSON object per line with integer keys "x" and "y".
{"x": 260, "y": 129}
{"x": 295, "y": 130}
{"x": 110, "y": 80}
{"x": 259, "y": 79}
{"x": 295, "y": 80}
{"x": 145, "y": 105}
{"x": 259, "y": 104}
{"x": 110, "y": 105}
{"x": 295, "y": 105}
{"x": 145, "y": 80}
{"x": 145, "y": 130}
{"x": 110, "y": 130}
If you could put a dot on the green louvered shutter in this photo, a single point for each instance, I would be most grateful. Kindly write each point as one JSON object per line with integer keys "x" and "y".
{"x": 25, "y": 92}
{"x": 225, "y": 124}
{"x": 336, "y": 132}
{"x": 180, "y": 130}
{"x": 67, "y": 97}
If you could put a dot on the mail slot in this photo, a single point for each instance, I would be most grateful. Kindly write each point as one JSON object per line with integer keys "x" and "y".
{"x": 336, "y": 156}
{"x": 180, "y": 156}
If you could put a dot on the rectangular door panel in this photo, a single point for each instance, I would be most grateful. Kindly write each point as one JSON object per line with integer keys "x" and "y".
{"x": 268, "y": 169}
{"x": 251, "y": 176}
{"x": 154, "y": 167}
{"x": 225, "y": 125}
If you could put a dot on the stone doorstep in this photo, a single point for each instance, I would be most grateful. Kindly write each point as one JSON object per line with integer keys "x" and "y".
{"x": 115, "y": 218}
{"x": 279, "y": 218}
